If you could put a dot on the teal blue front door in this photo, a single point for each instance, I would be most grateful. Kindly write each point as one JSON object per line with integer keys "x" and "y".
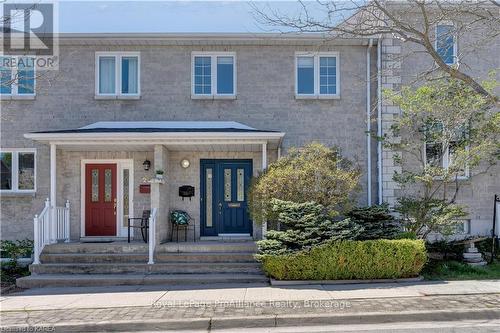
{"x": 224, "y": 185}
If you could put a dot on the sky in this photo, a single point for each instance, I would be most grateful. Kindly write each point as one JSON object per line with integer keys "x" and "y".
{"x": 170, "y": 16}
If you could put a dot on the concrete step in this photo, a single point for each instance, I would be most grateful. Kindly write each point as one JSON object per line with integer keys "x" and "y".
{"x": 158, "y": 268}
{"x": 87, "y": 280}
{"x": 205, "y": 257}
{"x": 115, "y": 247}
{"x": 93, "y": 257}
{"x": 208, "y": 246}
{"x": 195, "y": 257}
{"x": 136, "y": 247}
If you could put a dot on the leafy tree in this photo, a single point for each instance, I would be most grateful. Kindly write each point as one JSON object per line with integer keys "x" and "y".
{"x": 447, "y": 132}
{"x": 476, "y": 24}
{"x": 312, "y": 173}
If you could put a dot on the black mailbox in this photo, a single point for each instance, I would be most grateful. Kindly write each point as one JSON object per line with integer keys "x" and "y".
{"x": 186, "y": 191}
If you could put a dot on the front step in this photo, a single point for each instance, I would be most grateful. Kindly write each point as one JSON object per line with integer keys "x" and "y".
{"x": 91, "y": 280}
{"x": 204, "y": 247}
{"x": 206, "y": 257}
{"x": 158, "y": 268}
{"x": 92, "y": 248}
{"x": 63, "y": 258}
{"x": 196, "y": 257}
{"x": 91, "y": 264}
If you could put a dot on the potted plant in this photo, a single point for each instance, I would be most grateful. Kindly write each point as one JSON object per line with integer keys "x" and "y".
{"x": 159, "y": 174}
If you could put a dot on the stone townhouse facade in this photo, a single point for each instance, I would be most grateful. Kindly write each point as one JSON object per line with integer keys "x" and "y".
{"x": 262, "y": 118}
{"x": 209, "y": 111}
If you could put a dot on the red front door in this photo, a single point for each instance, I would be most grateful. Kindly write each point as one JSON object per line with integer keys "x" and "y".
{"x": 100, "y": 200}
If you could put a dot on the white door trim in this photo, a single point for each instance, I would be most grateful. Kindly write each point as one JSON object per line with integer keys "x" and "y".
{"x": 120, "y": 165}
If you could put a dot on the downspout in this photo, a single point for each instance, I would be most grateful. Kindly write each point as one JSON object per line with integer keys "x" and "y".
{"x": 368, "y": 122}
{"x": 379, "y": 118}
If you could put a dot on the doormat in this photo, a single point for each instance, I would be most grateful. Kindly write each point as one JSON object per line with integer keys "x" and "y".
{"x": 96, "y": 241}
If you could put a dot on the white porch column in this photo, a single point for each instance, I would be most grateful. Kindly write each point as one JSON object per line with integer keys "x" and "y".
{"x": 264, "y": 156}
{"x": 159, "y": 194}
{"x": 53, "y": 192}
{"x": 264, "y": 167}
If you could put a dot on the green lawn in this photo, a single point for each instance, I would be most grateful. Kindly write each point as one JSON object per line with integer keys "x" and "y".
{"x": 454, "y": 270}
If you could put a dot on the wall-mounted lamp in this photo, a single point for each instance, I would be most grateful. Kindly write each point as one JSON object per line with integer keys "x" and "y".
{"x": 185, "y": 163}
{"x": 146, "y": 164}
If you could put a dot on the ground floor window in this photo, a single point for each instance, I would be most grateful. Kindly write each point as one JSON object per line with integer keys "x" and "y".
{"x": 18, "y": 170}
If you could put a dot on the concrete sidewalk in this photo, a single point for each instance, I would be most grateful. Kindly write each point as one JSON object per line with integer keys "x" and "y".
{"x": 156, "y": 308}
{"x": 127, "y": 296}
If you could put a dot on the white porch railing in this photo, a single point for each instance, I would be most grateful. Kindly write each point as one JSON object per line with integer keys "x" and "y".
{"x": 62, "y": 222}
{"x": 51, "y": 225}
{"x": 152, "y": 235}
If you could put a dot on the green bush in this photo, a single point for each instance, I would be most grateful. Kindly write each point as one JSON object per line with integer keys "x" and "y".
{"x": 306, "y": 225}
{"x": 16, "y": 249}
{"x": 406, "y": 235}
{"x": 311, "y": 173}
{"x": 346, "y": 260}
{"x": 377, "y": 222}
{"x": 449, "y": 249}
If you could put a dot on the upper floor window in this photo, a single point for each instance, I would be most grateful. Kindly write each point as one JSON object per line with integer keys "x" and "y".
{"x": 17, "y": 76}
{"x": 446, "y": 43}
{"x": 213, "y": 75}
{"x": 117, "y": 74}
{"x": 18, "y": 171}
{"x": 317, "y": 75}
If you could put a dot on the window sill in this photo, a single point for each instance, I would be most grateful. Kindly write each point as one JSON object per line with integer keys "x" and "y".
{"x": 117, "y": 97}
{"x": 317, "y": 96}
{"x": 17, "y": 97}
{"x": 9, "y": 194}
{"x": 229, "y": 97}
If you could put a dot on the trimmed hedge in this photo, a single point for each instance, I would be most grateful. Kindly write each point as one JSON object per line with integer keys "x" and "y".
{"x": 348, "y": 260}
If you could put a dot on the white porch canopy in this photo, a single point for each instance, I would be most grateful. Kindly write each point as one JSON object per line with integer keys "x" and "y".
{"x": 146, "y": 135}
{"x": 176, "y": 135}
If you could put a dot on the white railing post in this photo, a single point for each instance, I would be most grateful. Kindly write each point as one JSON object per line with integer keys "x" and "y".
{"x": 47, "y": 227}
{"x": 36, "y": 241}
{"x": 52, "y": 224}
{"x": 66, "y": 222}
{"x": 40, "y": 231}
{"x": 152, "y": 236}
{"x": 53, "y": 193}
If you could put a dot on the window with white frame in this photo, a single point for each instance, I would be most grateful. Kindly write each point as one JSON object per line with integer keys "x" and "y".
{"x": 118, "y": 74}
{"x": 446, "y": 45}
{"x": 18, "y": 170}
{"x": 213, "y": 74}
{"x": 463, "y": 227}
{"x": 440, "y": 155}
{"x": 17, "y": 76}
{"x": 317, "y": 75}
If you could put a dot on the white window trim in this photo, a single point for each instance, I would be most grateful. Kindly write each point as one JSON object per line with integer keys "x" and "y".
{"x": 15, "y": 168}
{"x": 455, "y": 42}
{"x": 14, "y": 94}
{"x": 446, "y": 162}
{"x": 213, "y": 63}
{"x": 466, "y": 226}
{"x": 118, "y": 75}
{"x": 316, "y": 94}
